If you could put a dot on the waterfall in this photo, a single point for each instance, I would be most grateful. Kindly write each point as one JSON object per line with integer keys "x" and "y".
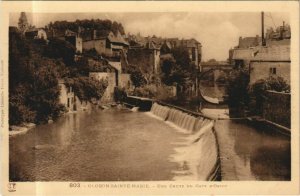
{"x": 160, "y": 111}
{"x": 197, "y": 155}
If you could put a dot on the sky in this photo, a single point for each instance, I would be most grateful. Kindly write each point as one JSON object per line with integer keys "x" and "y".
{"x": 217, "y": 32}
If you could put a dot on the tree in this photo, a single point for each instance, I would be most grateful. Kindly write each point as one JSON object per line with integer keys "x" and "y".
{"x": 45, "y": 91}
{"x": 237, "y": 87}
{"x": 259, "y": 88}
{"x": 137, "y": 78}
{"x": 87, "y": 88}
{"x": 178, "y": 69}
{"x": 61, "y": 49}
{"x": 212, "y": 61}
{"x": 33, "y": 89}
{"x": 23, "y": 23}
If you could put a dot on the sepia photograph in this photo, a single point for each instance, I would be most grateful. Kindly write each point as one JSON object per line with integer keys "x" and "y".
{"x": 150, "y": 96}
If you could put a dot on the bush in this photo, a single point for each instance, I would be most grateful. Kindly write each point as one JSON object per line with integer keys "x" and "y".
{"x": 237, "y": 87}
{"x": 154, "y": 92}
{"x": 87, "y": 88}
{"x": 148, "y": 91}
{"x": 258, "y": 89}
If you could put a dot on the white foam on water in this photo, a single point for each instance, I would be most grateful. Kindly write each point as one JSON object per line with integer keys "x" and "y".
{"x": 197, "y": 153}
{"x": 135, "y": 109}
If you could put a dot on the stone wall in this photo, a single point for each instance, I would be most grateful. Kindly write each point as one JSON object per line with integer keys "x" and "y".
{"x": 67, "y": 97}
{"x": 98, "y": 45}
{"x": 277, "y": 108}
{"x": 111, "y": 78}
{"x": 125, "y": 82}
{"x": 144, "y": 57}
{"x": 262, "y": 70}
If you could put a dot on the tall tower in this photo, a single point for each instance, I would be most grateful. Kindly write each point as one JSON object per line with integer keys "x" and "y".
{"x": 23, "y": 23}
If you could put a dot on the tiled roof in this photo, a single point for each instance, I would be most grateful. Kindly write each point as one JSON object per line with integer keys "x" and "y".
{"x": 117, "y": 38}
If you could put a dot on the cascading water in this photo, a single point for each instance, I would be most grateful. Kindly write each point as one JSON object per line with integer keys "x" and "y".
{"x": 198, "y": 154}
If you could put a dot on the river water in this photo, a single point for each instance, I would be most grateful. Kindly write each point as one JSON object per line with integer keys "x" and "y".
{"x": 112, "y": 145}
{"x": 102, "y": 145}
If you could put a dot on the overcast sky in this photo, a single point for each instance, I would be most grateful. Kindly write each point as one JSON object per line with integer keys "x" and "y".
{"x": 217, "y": 32}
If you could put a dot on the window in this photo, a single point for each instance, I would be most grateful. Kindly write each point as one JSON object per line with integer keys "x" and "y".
{"x": 272, "y": 71}
{"x": 193, "y": 54}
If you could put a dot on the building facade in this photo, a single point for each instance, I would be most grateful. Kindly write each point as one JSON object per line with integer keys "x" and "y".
{"x": 36, "y": 33}
{"x": 147, "y": 55}
{"x": 67, "y": 97}
{"x": 271, "y": 61}
{"x": 109, "y": 45}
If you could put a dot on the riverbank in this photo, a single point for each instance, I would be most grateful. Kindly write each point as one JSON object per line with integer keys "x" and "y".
{"x": 21, "y": 129}
{"x": 250, "y": 151}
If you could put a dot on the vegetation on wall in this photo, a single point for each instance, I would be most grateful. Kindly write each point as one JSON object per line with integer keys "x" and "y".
{"x": 33, "y": 89}
{"x": 86, "y": 88}
{"x": 259, "y": 88}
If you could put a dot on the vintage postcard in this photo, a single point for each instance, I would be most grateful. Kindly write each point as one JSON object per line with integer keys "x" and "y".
{"x": 159, "y": 98}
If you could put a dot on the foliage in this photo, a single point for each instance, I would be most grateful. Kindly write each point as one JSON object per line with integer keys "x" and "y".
{"x": 33, "y": 89}
{"x": 212, "y": 61}
{"x": 178, "y": 70}
{"x": 237, "y": 87}
{"x": 18, "y": 111}
{"x": 61, "y": 49}
{"x": 104, "y": 25}
{"x": 148, "y": 91}
{"x": 258, "y": 89}
{"x": 119, "y": 94}
{"x": 136, "y": 76}
{"x": 152, "y": 91}
{"x": 87, "y": 88}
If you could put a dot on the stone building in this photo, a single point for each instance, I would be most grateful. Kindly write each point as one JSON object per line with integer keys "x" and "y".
{"x": 106, "y": 43}
{"x": 270, "y": 61}
{"x": 112, "y": 72}
{"x": 74, "y": 39}
{"x": 67, "y": 97}
{"x": 277, "y": 41}
{"x": 36, "y": 33}
{"x": 193, "y": 47}
{"x": 145, "y": 55}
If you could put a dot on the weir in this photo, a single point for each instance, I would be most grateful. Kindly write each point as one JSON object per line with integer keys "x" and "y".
{"x": 199, "y": 153}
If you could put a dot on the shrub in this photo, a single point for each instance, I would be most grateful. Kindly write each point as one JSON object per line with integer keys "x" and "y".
{"x": 161, "y": 92}
{"x": 87, "y": 88}
{"x": 258, "y": 89}
{"x": 145, "y": 91}
{"x": 237, "y": 87}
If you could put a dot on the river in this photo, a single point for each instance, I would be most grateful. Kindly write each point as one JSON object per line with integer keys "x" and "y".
{"x": 102, "y": 145}
{"x": 112, "y": 145}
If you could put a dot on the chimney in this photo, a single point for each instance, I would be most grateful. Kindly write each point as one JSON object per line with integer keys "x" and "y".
{"x": 263, "y": 41}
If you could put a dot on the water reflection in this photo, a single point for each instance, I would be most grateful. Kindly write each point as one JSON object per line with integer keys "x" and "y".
{"x": 93, "y": 147}
{"x": 256, "y": 154}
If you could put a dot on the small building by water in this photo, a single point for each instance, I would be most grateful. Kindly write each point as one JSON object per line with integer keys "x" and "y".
{"x": 112, "y": 72}
{"x": 67, "y": 96}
